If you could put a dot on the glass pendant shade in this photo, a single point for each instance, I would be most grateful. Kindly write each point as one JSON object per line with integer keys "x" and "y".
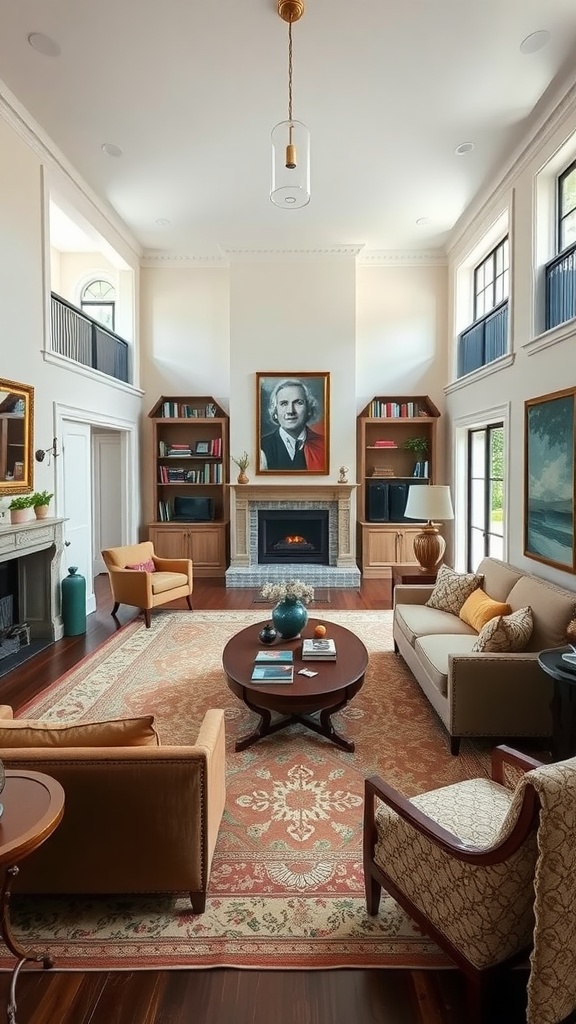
{"x": 290, "y": 165}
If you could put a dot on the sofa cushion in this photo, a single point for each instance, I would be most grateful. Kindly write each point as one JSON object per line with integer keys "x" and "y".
{"x": 499, "y": 577}
{"x": 416, "y": 620}
{"x": 143, "y": 566}
{"x": 506, "y": 633}
{"x": 451, "y": 589}
{"x": 120, "y": 732}
{"x": 552, "y": 609}
{"x": 478, "y": 609}
{"x": 434, "y": 652}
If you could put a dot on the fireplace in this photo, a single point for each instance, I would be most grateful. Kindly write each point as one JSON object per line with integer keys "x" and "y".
{"x": 293, "y": 536}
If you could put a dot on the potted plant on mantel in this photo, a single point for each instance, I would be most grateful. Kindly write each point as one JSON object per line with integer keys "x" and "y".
{"x": 40, "y": 502}
{"x": 18, "y": 508}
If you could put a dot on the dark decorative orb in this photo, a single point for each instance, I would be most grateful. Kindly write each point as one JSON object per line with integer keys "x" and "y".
{"x": 268, "y": 634}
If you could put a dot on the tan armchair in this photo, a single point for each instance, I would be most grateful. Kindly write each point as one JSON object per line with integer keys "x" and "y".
{"x": 488, "y": 871}
{"x": 171, "y": 579}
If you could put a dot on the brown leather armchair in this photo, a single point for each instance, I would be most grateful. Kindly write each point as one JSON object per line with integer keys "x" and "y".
{"x": 487, "y": 868}
{"x": 172, "y": 578}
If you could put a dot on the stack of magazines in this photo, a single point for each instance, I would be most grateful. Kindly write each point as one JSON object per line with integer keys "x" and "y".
{"x": 273, "y": 667}
{"x": 318, "y": 650}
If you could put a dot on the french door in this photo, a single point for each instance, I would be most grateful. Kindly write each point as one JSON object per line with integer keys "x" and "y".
{"x": 485, "y": 494}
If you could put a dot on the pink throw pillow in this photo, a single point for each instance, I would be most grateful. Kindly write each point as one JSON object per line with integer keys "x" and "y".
{"x": 143, "y": 566}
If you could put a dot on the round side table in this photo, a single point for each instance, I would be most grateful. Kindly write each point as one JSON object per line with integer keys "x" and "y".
{"x": 563, "y": 704}
{"x": 33, "y": 808}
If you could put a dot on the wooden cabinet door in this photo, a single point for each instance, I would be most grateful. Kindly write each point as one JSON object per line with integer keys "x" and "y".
{"x": 169, "y": 542}
{"x": 407, "y": 544}
{"x": 379, "y": 550}
{"x": 208, "y": 549}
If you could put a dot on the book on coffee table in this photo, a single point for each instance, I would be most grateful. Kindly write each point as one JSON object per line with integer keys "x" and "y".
{"x": 273, "y": 673}
{"x": 319, "y": 650}
{"x": 272, "y": 657}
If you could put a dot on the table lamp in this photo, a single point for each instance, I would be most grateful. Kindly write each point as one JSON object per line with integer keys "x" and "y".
{"x": 429, "y": 502}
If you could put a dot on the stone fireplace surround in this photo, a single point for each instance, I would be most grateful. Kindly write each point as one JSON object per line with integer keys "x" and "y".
{"x": 246, "y": 499}
{"x": 37, "y": 545}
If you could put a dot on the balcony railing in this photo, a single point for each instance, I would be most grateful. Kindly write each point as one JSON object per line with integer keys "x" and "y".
{"x": 561, "y": 288}
{"x": 79, "y": 337}
{"x": 485, "y": 341}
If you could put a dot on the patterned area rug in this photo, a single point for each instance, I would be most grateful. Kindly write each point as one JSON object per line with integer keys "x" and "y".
{"x": 287, "y": 886}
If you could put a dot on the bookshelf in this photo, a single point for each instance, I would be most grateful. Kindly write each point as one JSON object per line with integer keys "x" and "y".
{"x": 190, "y": 460}
{"x": 386, "y": 468}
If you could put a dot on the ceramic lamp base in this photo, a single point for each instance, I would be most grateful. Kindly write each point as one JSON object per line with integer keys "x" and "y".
{"x": 429, "y": 547}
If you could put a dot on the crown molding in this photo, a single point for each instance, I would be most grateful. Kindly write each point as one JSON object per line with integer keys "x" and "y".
{"x": 237, "y": 255}
{"x": 152, "y": 259}
{"x": 12, "y": 111}
{"x": 540, "y": 133}
{"x": 403, "y": 258}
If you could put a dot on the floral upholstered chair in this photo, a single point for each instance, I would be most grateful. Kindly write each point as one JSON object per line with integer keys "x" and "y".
{"x": 141, "y": 578}
{"x": 487, "y": 867}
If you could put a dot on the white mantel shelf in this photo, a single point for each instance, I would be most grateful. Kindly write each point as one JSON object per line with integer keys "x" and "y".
{"x": 246, "y": 496}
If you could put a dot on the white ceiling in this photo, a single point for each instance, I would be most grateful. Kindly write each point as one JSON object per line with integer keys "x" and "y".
{"x": 190, "y": 91}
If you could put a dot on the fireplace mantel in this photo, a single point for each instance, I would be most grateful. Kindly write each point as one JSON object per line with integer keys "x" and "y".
{"x": 37, "y": 545}
{"x": 243, "y": 496}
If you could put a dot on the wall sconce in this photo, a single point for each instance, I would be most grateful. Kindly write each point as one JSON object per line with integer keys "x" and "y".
{"x": 52, "y": 451}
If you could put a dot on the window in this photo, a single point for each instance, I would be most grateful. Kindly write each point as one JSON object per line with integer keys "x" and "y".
{"x": 491, "y": 280}
{"x": 485, "y": 494}
{"x": 98, "y": 300}
{"x": 567, "y": 208}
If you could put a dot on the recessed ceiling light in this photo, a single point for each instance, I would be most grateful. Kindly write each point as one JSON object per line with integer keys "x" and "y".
{"x": 463, "y": 148}
{"x": 423, "y": 221}
{"x": 111, "y": 150}
{"x": 43, "y": 44}
{"x": 535, "y": 41}
{"x": 163, "y": 222}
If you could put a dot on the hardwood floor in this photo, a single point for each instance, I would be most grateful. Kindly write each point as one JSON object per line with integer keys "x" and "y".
{"x": 230, "y": 996}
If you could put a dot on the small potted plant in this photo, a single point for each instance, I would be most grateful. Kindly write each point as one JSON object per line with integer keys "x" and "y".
{"x": 40, "y": 501}
{"x": 418, "y": 445}
{"x": 19, "y": 508}
{"x": 242, "y": 462}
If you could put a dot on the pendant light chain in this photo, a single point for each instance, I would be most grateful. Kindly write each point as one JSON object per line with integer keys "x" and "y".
{"x": 289, "y": 70}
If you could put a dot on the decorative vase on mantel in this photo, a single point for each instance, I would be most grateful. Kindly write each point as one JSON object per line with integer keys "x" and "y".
{"x": 242, "y": 478}
{"x": 289, "y": 617}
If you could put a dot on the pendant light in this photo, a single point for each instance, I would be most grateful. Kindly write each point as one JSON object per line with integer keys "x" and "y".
{"x": 290, "y": 139}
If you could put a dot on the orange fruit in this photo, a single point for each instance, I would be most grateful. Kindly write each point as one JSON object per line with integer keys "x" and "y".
{"x": 320, "y": 630}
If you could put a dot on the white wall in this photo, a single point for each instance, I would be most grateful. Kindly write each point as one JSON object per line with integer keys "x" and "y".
{"x": 535, "y": 370}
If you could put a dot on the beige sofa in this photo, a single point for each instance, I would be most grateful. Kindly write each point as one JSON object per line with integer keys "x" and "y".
{"x": 481, "y": 694}
{"x": 137, "y": 819}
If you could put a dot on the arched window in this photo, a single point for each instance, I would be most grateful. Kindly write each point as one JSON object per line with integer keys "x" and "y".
{"x": 98, "y": 300}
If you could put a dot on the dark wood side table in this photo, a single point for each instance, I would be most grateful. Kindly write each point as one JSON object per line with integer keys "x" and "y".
{"x": 33, "y": 808}
{"x": 563, "y": 703}
{"x": 412, "y": 574}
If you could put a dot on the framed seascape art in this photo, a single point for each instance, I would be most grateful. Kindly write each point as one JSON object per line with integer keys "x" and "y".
{"x": 549, "y": 483}
{"x": 293, "y": 417}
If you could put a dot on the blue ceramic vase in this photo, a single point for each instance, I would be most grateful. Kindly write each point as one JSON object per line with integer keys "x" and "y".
{"x": 289, "y": 617}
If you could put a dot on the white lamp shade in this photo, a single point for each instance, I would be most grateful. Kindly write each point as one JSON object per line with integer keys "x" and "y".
{"x": 290, "y": 184}
{"x": 429, "y": 502}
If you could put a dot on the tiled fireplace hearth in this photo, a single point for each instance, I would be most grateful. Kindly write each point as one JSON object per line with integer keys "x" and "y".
{"x": 248, "y": 499}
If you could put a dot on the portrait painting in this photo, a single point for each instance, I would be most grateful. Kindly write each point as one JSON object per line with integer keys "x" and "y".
{"x": 549, "y": 487}
{"x": 293, "y": 422}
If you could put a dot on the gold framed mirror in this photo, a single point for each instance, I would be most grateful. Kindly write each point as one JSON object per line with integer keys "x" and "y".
{"x": 16, "y": 437}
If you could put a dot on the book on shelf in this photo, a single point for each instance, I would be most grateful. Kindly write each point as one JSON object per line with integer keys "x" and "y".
{"x": 275, "y": 656}
{"x": 319, "y": 650}
{"x": 273, "y": 673}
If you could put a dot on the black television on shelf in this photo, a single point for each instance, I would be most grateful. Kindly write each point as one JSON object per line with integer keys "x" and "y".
{"x": 198, "y": 509}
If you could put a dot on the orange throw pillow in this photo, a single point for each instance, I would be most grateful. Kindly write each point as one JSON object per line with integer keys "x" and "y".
{"x": 478, "y": 609}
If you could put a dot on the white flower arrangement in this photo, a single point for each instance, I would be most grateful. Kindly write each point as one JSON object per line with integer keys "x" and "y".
{"x": 296, "y": 589}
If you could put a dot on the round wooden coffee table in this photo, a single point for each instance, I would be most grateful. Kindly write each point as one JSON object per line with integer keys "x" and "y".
{"x": 325, "y": 693}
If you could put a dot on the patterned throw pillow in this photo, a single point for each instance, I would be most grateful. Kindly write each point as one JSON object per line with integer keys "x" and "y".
{"x": 505, "y": 633}
{"x": 143, "y": 566}
{"x": 452, "y": 589}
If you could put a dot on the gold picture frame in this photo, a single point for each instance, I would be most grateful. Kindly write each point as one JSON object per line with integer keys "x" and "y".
{"x": 293, "y": 423}
{"x": 16, "y": 437}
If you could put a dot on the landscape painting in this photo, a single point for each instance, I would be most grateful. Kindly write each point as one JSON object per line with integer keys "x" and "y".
{"x": 549, "y": 479}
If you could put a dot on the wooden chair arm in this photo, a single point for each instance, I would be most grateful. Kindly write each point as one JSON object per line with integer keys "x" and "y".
{"x": 503, "y": 755}
{"x": 375, "y": 787}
